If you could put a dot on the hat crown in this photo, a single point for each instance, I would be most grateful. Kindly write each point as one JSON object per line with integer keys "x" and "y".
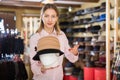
{"x": 48, "y": 42}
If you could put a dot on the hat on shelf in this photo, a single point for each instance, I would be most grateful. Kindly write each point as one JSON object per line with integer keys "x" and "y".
{"x": 81, "y": 48}
{"x": 102, "y": 17}
{"x": 103, "y": 27}
{"x": 101, "y": 38}
{"x": 94, "y": 18}
{"x": 87, "y": 39}
{"x": 89, "y": 48}
{"x": 95, "y": 29}
{"x": 48, "y": 51}
{"x": 81, "y": 39}
{"x": 87, "y": 10}
{"x": 79, "y": 12}
{"x": 94, "y": 39}
{"x": 97, "y": 9}
{"x": 86, "y": 20}
{"x": 96, "y": 48}
{"x": 80, "y": 21}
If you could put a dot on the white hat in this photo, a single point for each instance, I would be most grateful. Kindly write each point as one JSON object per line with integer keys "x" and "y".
{"x": 48, "y": 51}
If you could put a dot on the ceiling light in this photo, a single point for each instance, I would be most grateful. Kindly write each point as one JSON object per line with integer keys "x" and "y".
{"x": 33, "y": 0}
{"x": 48, "y": 1}
{"x": 70, "y": 9}
{"x": 69, "y": 2}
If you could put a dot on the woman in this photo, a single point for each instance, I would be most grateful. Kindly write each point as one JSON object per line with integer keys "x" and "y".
{"x": 49, "y": 26}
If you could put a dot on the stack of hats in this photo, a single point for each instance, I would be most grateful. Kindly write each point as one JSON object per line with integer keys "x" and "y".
{"x": 48, "y": 51}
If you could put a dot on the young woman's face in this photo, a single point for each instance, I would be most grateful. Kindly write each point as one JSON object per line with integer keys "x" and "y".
{"x": 49, "y": 18}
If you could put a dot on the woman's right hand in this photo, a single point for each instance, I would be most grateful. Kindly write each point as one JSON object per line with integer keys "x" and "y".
{"x": 43, "y": 69}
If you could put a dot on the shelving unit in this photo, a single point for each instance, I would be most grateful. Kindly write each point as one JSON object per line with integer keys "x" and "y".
{"x": 115, "y": 65}
{"x": 108, "y": 32}
{"x": 88, "y": 24}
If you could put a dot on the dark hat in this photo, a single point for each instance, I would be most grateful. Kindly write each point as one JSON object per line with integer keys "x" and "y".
{"x": 81, "y": 48}
{"x": 81, "y": 39}
{"x": 47, "y": 45}
{"x": 87, "y": 39}
{"x": 89, "y": 48}
{"x": 95, "y": 29}
{"x": 96, "y": 48}
{"x": 79, "y": 12}
{"x": 86, "y": 20}
{"x": 75, "y": 30}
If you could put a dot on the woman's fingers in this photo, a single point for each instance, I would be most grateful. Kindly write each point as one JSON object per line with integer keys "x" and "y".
{"x": 74, "y": 50}
{"x": 43, "y": 70}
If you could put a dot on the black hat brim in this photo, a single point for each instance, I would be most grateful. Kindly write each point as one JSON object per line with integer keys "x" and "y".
{"x": 46, "y": 51}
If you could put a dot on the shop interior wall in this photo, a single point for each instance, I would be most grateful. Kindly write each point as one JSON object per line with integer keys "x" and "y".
{"x": 19, "y": 12}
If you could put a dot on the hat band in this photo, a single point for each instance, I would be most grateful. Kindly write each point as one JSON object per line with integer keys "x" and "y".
{"x": 46, "y": 51}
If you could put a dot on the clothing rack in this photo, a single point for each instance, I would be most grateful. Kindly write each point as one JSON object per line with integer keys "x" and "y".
{"x": 11, "y": 45}
{"x": 12, "y": 70}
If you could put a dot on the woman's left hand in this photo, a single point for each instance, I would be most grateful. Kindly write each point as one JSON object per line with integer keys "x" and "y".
{"x": 74, "y": 50}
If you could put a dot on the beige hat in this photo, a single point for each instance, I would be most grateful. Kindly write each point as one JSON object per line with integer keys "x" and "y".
{"x": 101, "y": 38}
{"x": 47, "y": 45}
